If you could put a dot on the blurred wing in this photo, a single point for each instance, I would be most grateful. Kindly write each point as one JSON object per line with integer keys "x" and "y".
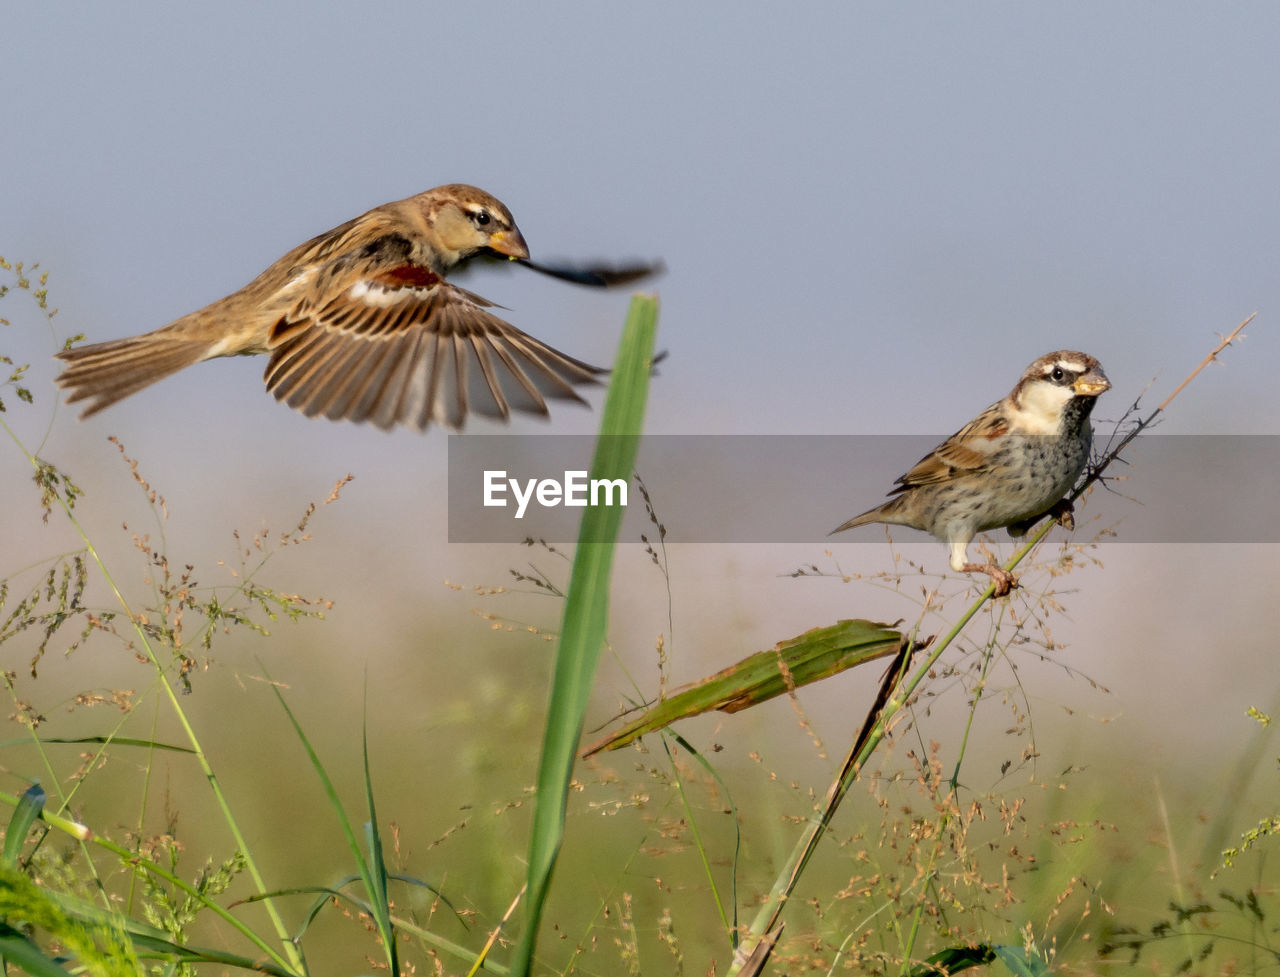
{"x": 966, "y": 452}
{"x": 400, "y": 345}
{"x": 598, "y": 275}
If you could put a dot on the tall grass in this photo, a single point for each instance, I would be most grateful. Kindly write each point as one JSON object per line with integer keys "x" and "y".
{"x": 922, "y": 874}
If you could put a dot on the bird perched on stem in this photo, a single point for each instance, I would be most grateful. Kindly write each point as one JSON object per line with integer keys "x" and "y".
{"x": 1008, "y": 467}
{"x": 360, "y": 324}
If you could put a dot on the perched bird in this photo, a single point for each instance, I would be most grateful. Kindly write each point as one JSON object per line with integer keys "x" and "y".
{"x": 360, "y": 324}
{"x": 1008, "y": 467}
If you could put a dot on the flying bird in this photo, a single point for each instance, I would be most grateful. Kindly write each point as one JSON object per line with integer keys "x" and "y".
{"x": 1008, "y": 467}
{"x": 361, "y": 324}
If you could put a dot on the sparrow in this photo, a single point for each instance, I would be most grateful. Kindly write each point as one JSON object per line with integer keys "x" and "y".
{"x": 360, "y": 324}
{"x": 1007, "y": 467}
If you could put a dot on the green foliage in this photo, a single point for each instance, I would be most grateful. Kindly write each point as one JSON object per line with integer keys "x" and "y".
{"x": 49, "y": 604}
{"x": 170, "y": 635}
{"x": 174, "y": 910}
{"x": 99, "y": 948}
{"x": 158, "y": 635}
{"x": 1268, "y": 826}
{"x": 944, "y": 868}
{"x": 21, "y": 279}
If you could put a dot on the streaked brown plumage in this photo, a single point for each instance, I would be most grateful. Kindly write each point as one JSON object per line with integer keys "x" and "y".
{"x": 361, "y": 325}
{"x": 1009, "y": 466}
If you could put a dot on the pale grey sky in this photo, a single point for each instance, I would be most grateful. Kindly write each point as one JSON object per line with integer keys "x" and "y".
{"x": 847, "y": 196}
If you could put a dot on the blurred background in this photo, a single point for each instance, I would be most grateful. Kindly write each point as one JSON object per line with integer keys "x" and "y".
{"x": 872, "y": 218}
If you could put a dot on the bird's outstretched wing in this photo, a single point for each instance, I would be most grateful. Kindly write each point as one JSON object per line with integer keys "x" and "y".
{"x": 388, "y": 341}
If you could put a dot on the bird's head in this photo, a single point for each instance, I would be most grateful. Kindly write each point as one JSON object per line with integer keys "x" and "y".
{"x": 1054, "y": 382}
{"x": 466, "y": 221}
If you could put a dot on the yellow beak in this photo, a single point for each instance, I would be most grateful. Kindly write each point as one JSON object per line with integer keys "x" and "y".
{"x": 1091, "y": 384}
{"x": 511, "y": 243}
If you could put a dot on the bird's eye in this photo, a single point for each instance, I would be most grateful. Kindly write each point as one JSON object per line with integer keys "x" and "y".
{"x": 481, "y": 217}
{"x": 1058, "y": 375}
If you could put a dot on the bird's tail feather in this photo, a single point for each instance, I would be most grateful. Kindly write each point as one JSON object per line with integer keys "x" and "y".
{"x": 889, "y": 512}
{"x": 104, "y": 373}
{"x": 862, "y": 520}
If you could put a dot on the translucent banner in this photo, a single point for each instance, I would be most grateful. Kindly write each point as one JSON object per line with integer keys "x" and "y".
{"x": 796, "y": 489}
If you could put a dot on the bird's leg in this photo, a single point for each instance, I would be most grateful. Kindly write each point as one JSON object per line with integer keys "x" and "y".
{"x": 1004, "y": 580}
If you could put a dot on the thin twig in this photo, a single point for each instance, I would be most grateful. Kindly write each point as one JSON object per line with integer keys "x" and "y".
{"x": 1095, "y": 472}
{"x": 1226, "y": 341}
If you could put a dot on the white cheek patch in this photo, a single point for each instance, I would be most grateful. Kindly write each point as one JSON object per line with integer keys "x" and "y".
{"x": 1040, "y": 408}
{"x": 376, "y": 295}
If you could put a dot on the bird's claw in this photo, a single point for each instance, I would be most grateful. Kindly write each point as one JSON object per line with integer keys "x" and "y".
{"x": 1062, "y": 511}
{"x": 1001, "y": 579}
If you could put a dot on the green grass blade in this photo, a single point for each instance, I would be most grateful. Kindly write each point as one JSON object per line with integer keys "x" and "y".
{"x": 24, "y": 816}
{"x": 377, "y": 880}
{"x": 1020, "y": 962}
{"x": 954, "y": 959}
{"x": 106, "y": 740}
{"x": 808, "y": 657}
{"x": 16, "y": 949}
{"x": 586, "y": 612}
{"x": 370, "y": 876}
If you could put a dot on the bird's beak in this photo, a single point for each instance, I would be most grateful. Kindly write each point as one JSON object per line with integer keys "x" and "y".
{"x": 509, "y": 243}
{"x": 1091, "y": 384}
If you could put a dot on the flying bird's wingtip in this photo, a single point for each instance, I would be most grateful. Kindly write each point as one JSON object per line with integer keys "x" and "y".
{"x": 599, "y": 275}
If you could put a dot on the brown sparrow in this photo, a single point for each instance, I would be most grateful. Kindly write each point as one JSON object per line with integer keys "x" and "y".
{"x": 1008, "y": 467}
{"x": 361, "y": 325}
